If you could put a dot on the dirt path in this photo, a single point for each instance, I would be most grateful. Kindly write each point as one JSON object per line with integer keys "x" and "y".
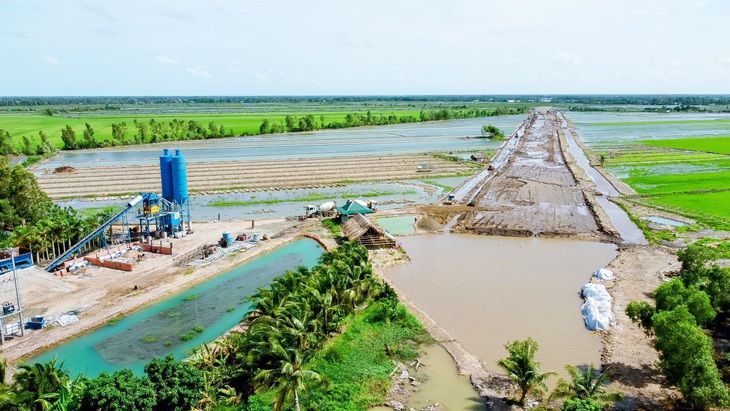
{"x": 628, "y": 352}
{"x": 247, "y": 175}
{"x": 535, "y": 193}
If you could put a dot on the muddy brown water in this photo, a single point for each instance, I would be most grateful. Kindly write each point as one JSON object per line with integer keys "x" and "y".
{"x": 440, "y": 383}
{"x": 485, "y": 291}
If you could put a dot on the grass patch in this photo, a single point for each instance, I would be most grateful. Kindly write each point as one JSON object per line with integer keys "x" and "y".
{"x": 679, "y": 183}
{"x": 191, "y": 297}
{"x": 356, "y": 363}
{"x": 187, "y": 336}
{"x": 333, "y": 225}
{"x": 114, "y": 320}
{"x": 198, "y": 329}
{"x": 703, "y": 207}
{"x": 230, "y": 309}
{"x": 149, "y": 339}
{"x": 719, "y": 145}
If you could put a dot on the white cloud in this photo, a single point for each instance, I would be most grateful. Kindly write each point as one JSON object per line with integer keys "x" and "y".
{"x": 725, "y": 60}
{"x": 677, "y": 63}
{"x": 199, "y": 73}
{"x": 261, "y": 77}
{"x": 567, "y": 59}
{"x": 166, "y": 60}
{"x": 52, "y": 60}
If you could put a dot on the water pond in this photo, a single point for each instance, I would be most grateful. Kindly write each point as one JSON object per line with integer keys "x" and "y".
{"x": 398, "y": 225}
{"x": 486, "y": 291}
{"x": 665, "y": 221}
{"x": 183, "y": 321}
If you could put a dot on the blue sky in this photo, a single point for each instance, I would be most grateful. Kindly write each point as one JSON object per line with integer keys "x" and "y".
{"x": 239, "y": 47}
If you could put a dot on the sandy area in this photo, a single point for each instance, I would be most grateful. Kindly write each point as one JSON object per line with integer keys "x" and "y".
{"x": 100, "y": 294}
{"x": 245, "y": 176}
{"x": 628, "y": 352}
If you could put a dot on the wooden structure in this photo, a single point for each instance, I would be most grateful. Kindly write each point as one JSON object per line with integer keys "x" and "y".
{"x": 65, "y": 169}
{"x": 369, "y": 234}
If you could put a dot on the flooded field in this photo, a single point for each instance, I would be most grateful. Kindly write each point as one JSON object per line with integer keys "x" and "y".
{"x": 284, "y": 203}
{"x": 182, "y": 322}
{"x": 439, "y": 136}
{"x": 486, "y": 291}
{"x": 629, "y": 127}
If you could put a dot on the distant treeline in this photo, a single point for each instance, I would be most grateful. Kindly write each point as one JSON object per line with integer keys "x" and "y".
{"x": 144, "y": 132}
{"x": 309, "y": 122}
{"x": 683, "y": 108}
{"x": 602, "y": 99}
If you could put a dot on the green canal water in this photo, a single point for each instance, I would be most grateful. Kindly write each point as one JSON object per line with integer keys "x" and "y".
{"x": 398, "y": 225}
{"x": 183, "y": 321}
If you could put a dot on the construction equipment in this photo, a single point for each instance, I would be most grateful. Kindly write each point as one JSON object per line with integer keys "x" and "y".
{"x": 324, "y": 209}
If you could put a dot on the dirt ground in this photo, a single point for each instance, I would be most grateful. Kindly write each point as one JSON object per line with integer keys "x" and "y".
{"x": 99, "y": 294}
{"x": 628, "y": 352}
{"x": 535, "y": 192}
{"x": 245, "y": 176}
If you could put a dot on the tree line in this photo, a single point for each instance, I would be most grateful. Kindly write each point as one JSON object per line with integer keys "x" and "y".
{"x": 688, "y": 308}
{"x": 358, "y": 119}
{"x": 28, "y": 217}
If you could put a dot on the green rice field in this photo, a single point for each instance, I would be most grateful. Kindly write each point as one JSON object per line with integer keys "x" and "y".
{"x": 674, "y": 162}
{"x": 713, "y": 204}
{"x": 720, "y": 145}
{"x": 242, "y": 123}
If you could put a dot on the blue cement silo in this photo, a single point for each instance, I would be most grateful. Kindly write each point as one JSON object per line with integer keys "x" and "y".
{"x": 166, "y": 175}
{"x": 179, "y": 179}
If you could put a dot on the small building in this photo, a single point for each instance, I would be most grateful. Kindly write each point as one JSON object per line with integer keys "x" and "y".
{"x": 352, "y": 207}
{"x": 479, "y": 158}
{"x": 359, "y": 228}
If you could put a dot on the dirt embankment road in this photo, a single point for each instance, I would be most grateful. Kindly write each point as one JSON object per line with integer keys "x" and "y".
{"x": 535, "y": 192}
{"x": 248, "y": 175}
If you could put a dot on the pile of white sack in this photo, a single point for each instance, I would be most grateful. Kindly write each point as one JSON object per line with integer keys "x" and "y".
{"x": 596, "y": 310}
{"x": 604, "y": 274}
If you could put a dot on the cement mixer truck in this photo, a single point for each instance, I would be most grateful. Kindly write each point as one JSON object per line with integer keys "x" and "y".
{"x": 325, "y": 209}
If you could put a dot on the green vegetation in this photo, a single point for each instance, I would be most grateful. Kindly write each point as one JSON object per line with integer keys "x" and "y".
{"x": 586, "y": 383}
{"x": 87, "y": 129}
{"x": 654, "y": 237}
{"x": 684, "y": 306}
{"x": 715, "y": 123}
{"x": 720, "y": 145}
{"x": 190, "y": 297}
{"x": 334, "y": 225}
{"x": 113, "y": 321}
{"x": 149, "y": 339}
{"x": 523, "y": 370}
{"x": 492, "y": 132}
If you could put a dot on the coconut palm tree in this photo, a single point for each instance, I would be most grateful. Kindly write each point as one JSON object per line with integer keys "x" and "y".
{"x": 287, "y": 377}
{"x": 44, "y": 387}
{"x": 522, "y": 368}
{"x": 585, "y": 383}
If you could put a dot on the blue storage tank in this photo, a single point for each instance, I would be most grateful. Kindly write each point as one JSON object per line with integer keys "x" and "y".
{"x": 179, "y": 179}
{"x": 166, "y": 174}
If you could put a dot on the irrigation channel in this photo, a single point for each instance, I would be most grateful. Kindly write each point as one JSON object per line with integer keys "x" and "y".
{"x": 183, "y": 321}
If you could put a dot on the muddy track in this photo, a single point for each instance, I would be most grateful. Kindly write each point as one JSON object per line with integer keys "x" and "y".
{"x": 248, "y": 175}
{"x": 537, "y": 191}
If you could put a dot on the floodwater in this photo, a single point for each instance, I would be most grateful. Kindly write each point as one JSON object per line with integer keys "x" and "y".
{"x": 589, "y": 126}
{"x": 390, "y": 195}
{"x": 398, "y": 225}
{"x": 440, "y": 383}
{"x": 630, "y": 233}
{"x": 487, "y": 291}
{"x": 438, "y": 136}
{"x": 665, "y": 221}
{"x": 155, "y": 331}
